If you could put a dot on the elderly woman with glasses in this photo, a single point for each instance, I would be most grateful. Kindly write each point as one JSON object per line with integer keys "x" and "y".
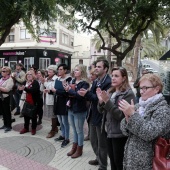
{"x": 144, "y": 123}
{"x": 112, "y": 115}
{"x": 32, "y": 89}
{"x": 6, "y": 85}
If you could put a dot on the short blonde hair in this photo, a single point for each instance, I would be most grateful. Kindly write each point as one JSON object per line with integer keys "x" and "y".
{"x": 30, "y": 72}
{"x": 8, "y": 69}
{"x": 154, "y": 79}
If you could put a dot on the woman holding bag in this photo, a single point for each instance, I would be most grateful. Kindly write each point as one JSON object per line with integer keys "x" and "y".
{"x": 78, "y": 109}
{"x": 144, "y": 123}
{"x": 32, "y": 89}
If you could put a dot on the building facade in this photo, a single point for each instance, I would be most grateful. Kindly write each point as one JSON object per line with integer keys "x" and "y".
{"x": 54, "y": 47}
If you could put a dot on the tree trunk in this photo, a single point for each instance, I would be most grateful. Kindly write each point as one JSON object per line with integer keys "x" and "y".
{"x": 136, "y": 56}
{"x": 109, "y": 54}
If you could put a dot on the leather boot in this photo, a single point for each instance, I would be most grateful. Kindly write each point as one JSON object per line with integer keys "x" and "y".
{"x": 78, "y": 152}
{"x": 73, "y": 150}
{"x": 53, "y": 129}
{"x": 51, "y": 134}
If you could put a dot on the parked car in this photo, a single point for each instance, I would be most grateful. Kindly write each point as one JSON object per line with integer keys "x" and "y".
{"x": 146, "y": 65}
{"x": 149, "y": 69}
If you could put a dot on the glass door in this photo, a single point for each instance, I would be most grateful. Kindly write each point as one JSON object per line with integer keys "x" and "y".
{"x": 12, "y": 65}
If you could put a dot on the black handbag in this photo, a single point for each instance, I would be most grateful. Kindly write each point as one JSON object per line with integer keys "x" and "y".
{"x": 29, "y": 110}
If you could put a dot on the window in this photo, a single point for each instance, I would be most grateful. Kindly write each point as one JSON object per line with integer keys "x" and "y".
{"x": 44, "y": 63}
{"x": 24, "y": 34}
{"x": 11, "y": 38}
{"x": 65, "y": 39}
{"x": 81, "y": 61}
{"x": 28, "y": 62}
{"x": 72, "y": 42}
{"x": 2, "y": 60}
{"x": 51, "y": 34}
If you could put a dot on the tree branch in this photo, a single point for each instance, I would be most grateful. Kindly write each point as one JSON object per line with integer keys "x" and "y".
{"x": 8, "y": 28}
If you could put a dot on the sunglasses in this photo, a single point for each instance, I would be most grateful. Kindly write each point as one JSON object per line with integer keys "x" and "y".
{"x": 4, "y": 71}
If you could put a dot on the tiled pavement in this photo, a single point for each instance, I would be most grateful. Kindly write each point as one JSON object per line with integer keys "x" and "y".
{"x": 28, "y": 152}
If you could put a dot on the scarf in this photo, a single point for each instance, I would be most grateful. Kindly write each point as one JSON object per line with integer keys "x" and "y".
{"x": 3, "y": 79}
{"x": 143, "y": 104}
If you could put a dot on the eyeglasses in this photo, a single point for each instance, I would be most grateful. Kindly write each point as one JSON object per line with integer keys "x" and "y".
{"x": 145, "y": 88}
{"x": 4, "y": 71}
{"x": 29, "y": 74}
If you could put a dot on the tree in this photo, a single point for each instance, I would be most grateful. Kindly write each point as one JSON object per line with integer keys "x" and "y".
{"x": 118, "y": 18}
{"x": 98, "y": 42}
{"x": 148, "y": 43}
{"x": 31, "y": 12}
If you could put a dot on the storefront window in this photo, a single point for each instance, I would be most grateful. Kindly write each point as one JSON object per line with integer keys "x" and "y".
{"x": 44, "y": 63}
{"x": 2, "y": 61}
{"x": 28, "y": 62}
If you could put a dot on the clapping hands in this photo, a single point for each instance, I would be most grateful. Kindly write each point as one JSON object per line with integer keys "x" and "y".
{"x": 103, "y": 96}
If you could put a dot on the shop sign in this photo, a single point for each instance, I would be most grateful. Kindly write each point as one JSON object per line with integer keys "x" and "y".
{"x": 14, "y": 53}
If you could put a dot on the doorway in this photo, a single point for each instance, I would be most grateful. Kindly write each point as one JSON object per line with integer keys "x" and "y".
{"x": 12, "y": 65}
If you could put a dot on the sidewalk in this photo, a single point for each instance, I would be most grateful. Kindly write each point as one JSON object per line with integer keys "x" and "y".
{"x": 28, "y": 152}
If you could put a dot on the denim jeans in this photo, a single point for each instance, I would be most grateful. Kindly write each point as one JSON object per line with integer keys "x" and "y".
{"x": 64, "y": 125}
{"x": 76, "y": 120}
{"x": 17, "y": 96}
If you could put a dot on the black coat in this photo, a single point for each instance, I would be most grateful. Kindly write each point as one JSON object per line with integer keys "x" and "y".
{"x": 95, "y": 116}
{"x": 78, "y": 103}
{"x": 35, "y": 92}
{"x": 60, "y": 100}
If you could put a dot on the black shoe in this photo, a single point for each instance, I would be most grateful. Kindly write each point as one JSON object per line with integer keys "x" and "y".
{"x": 60, "y": 138}
{"x": 7, "y": 130}
{"x": 65, "y": 143}
{"x": 12, "y": 120}
{"x": 3, "y": 127}
{"x": 16, "y": 113}
{"x": 94, "y": 162}
{"x": 39, "y": 122}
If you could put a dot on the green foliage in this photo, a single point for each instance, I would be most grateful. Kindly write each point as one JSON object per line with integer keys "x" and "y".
{"x": 31, "y": 12}
{"x": 118, "y": 18}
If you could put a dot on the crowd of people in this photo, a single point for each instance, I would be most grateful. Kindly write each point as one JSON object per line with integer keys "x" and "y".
{"x": 120, "y": 127}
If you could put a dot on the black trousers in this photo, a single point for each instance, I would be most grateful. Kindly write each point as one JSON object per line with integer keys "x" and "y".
{"x": 116, "y": 152}
{"x": 98, "y": 141}
{"x": 6, "y": 113}
{"x": 40, "y": 109}
{"x": 27, "y": 122}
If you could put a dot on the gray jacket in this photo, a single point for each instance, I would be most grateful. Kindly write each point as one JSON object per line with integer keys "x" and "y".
{"x": 112, "y": 116}
{"x": 143, "y": 132}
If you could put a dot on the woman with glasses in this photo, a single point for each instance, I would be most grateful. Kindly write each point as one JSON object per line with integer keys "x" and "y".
{"x": 6, "y": 85}
{"x": 77, "y": 109}
{"x": 32, "y": 89}
{"x": 112, "y": 115}
{"x": 144, "y": 123}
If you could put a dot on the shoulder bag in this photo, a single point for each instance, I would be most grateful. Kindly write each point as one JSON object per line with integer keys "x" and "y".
{"x": 29, "y": 110}
{"x": 161, "y": 160}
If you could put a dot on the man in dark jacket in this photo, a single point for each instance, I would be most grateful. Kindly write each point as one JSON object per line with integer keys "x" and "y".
{"x": 98, "y": 137}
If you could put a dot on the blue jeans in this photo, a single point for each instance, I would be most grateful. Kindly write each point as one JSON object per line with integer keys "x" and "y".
{"x": 17, "y": 96}
{"x": 64, "y": 125}
{"x": 76, "y": 120}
